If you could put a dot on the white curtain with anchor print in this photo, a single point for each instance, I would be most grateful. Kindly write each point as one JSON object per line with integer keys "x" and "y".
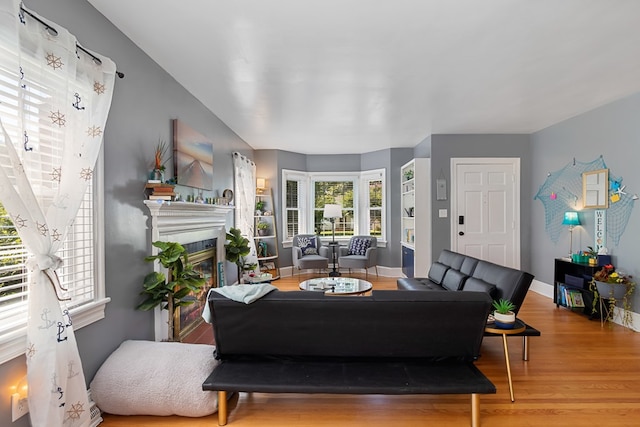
{"x": 54, "y": 105}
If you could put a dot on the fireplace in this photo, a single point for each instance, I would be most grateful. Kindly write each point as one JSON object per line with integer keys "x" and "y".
{"x": 203, "y": 257}
{"x": 201, "y": 229}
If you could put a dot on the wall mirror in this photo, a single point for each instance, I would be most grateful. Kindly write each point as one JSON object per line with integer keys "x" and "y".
{"x": 595, "y": 186}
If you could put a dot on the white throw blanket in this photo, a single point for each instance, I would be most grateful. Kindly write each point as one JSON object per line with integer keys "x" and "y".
{"x": 240, "y": 293}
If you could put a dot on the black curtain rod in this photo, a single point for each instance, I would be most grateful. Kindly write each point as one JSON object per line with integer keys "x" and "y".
{"x": 54, "y": 32}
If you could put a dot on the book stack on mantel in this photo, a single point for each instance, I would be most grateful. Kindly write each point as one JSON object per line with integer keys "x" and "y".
{"x": 160, "y": 191}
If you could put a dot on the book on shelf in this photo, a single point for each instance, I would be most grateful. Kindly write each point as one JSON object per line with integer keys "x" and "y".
{"x": 160, "y": 197}
{"x": 571, "y": 298}
{"x": 162, "y": 190}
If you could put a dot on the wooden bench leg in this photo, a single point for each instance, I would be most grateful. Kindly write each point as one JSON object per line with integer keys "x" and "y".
{"x": 222, "y": 408}
{"x": 475, "y": 410}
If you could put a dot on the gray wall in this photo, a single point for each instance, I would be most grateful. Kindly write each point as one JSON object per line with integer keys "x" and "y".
{"x": 144, "y": 103}
{"x": 446, "y": 147}
{"x": 612, "y": 131}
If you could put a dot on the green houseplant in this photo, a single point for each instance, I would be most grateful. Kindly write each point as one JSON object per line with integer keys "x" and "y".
{"x": 173, "y": 290}
{"x": 504, "y": 315}
{"x": 609, "y": 287}
{"x": 236, "y": 248}
{"x": 262, "y": 227}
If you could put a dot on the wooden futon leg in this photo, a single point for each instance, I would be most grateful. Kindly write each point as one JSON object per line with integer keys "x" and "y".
{"x": 475, "y": 410}
{"x": 222, "y": 408}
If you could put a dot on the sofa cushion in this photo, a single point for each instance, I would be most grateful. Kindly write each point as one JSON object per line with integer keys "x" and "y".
{"x": 453, "y": 280}
{"x": 468, "y": 265}
{"x": 437, "y": 272}
{"x": 478, "y": 285}
{"x": 359, "y": 246}
{"x": 452, "y": 259}
{"x": 308, "y": 245}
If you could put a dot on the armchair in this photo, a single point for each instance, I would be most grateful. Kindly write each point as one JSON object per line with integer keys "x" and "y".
{"x": 307, "y": 252}
{"x": 361, "y": 253}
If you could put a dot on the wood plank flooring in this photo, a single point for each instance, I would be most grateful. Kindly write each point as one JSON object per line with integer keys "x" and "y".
{"x": 578, "y": 374}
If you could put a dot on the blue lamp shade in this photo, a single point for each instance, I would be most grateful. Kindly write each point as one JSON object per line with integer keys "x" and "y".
{"x": 571, "y": 218}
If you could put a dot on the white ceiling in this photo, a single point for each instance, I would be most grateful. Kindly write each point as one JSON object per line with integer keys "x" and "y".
{"x": 354, "y": 76}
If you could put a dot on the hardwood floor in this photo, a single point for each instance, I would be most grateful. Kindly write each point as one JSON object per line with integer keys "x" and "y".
{"x": 578, "y": 374}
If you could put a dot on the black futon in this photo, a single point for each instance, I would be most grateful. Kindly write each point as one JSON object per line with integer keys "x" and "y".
{"x": 392, "y": 342}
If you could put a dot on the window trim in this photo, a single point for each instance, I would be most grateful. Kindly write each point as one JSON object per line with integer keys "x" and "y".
{"x": 14, "y": 344}
{"x": 306, "y": 197}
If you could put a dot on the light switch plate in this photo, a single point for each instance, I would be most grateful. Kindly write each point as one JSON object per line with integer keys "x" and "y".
{"x": 442, "y": 213}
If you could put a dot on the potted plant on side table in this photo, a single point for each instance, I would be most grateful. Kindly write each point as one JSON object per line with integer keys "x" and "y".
{"x": 505, "y": 317}
{"x": 174, "y": 292}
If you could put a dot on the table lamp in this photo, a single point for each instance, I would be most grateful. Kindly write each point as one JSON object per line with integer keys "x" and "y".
{"x": 571, "y": 219}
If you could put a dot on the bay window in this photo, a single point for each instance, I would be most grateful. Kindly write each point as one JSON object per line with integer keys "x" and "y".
{"x": 361, "y": 195}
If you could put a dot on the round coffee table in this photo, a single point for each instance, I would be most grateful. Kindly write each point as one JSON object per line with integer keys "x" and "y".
{"x": 337, "y": 285}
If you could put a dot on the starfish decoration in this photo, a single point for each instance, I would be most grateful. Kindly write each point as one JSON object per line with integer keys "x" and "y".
{"x": 98, "y": 88}
{"x": 42, "y": 228}
{"x": 19, "y": 222}
{"x": 94, "y": 131}
{"x": 55, "y": 235}
{"x": 31, "y": 350}
{"x": 86, "y": 174}
{"x": 56, "y": 174}
{"x": 620, "y": 190}
{"x": 58, "y": 118}
{"x": 76, "y": 411}
{"x": 54, "y": 61}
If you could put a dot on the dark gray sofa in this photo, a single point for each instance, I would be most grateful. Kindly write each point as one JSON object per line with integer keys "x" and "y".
{"x": 392, "y": 342}
{"x": 458, "y": 272}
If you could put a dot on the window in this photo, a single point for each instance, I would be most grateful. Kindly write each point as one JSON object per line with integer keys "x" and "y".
{"x": 373, "y": 189}
{"x": 82, "y": 272}
{"x": 361, "y": 195}
{"x": 339, "y": 192}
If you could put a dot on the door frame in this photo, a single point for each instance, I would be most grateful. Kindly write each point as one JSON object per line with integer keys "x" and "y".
{"x": 515, "y": 164}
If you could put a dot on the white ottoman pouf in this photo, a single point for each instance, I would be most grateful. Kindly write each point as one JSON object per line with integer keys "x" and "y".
{"x": 156, "y": 378}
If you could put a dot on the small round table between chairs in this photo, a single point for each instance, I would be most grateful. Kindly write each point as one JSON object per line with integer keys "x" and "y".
{"x": 518, "y": 328}
{"x": 337, "y": 285}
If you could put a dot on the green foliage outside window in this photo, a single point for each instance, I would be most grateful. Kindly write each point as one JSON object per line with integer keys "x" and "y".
{"x": 10, "y": 255}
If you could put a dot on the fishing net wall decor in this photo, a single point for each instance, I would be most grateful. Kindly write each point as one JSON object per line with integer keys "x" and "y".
{"x": 562, "y": 191}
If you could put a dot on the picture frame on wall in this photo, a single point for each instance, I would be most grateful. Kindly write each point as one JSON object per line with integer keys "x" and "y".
{"x": 193, "y": 157}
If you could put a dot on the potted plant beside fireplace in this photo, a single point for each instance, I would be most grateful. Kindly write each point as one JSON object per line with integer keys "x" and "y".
{"x": 236, "y": 249}
{"x": 174, "y": 289}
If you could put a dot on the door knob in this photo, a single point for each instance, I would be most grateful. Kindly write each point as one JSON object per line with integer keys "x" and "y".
{"x": 460, "y": 233}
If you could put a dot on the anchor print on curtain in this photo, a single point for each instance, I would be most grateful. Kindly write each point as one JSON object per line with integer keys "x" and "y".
{"x": 62, "y": 101}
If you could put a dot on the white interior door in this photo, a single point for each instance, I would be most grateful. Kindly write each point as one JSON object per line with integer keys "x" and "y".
{"x": 485, "y": 209}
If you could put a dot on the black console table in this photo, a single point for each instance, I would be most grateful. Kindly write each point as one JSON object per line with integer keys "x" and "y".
{"x": 580, "y": 275}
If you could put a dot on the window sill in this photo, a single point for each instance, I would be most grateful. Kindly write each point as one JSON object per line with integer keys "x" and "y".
{"x": 14, "y": 344}
{"x": 342, "y": 242}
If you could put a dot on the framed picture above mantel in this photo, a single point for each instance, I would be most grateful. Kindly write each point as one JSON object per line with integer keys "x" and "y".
{"x": 193, "y": 157}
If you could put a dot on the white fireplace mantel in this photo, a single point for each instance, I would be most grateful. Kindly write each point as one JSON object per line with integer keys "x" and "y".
{"x": 185, "y": 222}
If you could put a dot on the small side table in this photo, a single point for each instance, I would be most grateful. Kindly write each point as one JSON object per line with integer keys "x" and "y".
{"x": 518, "y": 328}
{"x": 334, "y": 257}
